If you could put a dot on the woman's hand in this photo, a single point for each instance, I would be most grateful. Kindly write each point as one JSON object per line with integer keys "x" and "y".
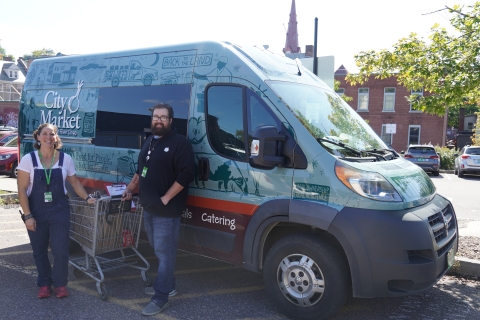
{"x": 92, "y": 200}
{"x": 31, "y": 224}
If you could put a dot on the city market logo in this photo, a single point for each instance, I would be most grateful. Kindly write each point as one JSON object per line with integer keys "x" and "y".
{"x": 63, "y": 120}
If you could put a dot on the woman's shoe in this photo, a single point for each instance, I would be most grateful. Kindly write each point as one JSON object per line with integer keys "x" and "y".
{"x": 44, "y": 292}
{"x": 61, "y": 292}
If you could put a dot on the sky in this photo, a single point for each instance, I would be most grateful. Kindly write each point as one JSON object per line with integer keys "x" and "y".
{"x": 345, "y": 27}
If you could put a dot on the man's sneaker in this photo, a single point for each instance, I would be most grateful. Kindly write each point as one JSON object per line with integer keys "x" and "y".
{"x": 151, "y": 291}
{"x": 152, "y": 308}
{"x": 44, "y": 292}
{"x": 61, "y": 292}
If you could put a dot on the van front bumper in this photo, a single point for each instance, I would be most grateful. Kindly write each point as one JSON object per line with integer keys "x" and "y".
{"x": 394, "y": 253}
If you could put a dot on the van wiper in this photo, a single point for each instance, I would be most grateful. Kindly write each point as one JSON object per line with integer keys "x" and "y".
{"x": 395, "y": 154}
{"x": 341, "y": 144}
{"x": 357, "y": 152}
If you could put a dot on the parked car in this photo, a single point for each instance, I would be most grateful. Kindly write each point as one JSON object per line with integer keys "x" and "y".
{"x": 425, "y": 157}
{"x": 468, "y": 161}
{"x": 9, "y": 158}
{"x": 7, "y": 138}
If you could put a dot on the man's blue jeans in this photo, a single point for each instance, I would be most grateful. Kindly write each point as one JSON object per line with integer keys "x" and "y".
{"x": 163, "y": 236}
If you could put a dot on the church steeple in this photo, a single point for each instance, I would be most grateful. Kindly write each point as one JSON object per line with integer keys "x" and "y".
{"x": 291, "y": 43}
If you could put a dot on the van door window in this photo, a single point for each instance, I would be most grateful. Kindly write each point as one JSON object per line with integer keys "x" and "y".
{"x": 225, "y": 121}
{"x": 258, "y": 114}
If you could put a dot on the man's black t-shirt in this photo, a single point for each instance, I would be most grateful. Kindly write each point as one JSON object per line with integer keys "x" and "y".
{"x": 170, "y": 160}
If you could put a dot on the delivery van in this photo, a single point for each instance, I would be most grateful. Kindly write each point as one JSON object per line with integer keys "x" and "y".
{"x": 290, "y": 180}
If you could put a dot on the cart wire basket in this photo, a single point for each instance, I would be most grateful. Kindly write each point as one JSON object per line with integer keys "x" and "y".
{"x": 109, "y": 225}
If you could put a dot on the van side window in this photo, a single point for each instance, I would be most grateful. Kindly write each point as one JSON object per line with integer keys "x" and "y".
{"x": 225, "y": 121}
{"x": 258, "y": 114}
{"x": 123, "y": 116}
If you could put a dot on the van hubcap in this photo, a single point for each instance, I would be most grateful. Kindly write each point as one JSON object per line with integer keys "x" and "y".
{"x": 300, "y": 280}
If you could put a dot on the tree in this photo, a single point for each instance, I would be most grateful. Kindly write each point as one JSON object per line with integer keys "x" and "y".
{"x": 3, "y": 53}
{"x": 39, "y": 53}
{"x": 447, "y": 66}
{"x": 454, "y": 113}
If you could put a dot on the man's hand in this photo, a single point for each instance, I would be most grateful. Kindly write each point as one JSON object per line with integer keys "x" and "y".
{"x": 126, "y": 195}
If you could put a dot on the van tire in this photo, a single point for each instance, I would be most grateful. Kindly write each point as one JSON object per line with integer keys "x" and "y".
{"x": 115, "y": 82}
{"x": 147, "y": 80}
{"x": 324, "y": 263}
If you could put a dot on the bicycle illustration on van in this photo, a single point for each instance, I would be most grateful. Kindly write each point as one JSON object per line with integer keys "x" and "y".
{"x": 126, "y": 167}
{"x": 133, "y": 71}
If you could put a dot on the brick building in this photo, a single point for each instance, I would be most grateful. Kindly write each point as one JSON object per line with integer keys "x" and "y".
{"x": 382, "y": 102}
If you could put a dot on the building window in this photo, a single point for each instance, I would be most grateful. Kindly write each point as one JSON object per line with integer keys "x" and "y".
{"x": 418, "y": 93}
{"x": 11, "y": 74}
{"x": 362, "y": 99}
{"x": 16, "y": 74}
{"x": 386, "y": 137}
{"x": 340, "y": 91}
{"x": 413, "y": 134}
{"x": 469, "y": 125}
{"x": 389, "y": 99}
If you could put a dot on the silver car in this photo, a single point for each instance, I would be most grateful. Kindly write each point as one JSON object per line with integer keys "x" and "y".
{"x": 467, "y": 161}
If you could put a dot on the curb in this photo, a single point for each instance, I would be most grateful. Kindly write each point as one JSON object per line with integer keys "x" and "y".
{"x": 466, "y": 267}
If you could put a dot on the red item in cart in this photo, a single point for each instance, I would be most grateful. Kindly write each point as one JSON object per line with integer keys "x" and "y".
{"x": 128, "y": 240}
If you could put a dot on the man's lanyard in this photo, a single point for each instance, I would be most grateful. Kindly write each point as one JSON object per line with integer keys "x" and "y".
{"x": 49, "y": 174}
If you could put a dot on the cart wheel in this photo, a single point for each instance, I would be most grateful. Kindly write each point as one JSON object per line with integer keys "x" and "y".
{"x": 102, "y": 291}
{"x": 78, "y": 273}
{"x": 147, "y": 279}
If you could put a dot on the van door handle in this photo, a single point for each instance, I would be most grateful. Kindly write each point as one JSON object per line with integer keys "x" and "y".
{"x": 203, "y": 169}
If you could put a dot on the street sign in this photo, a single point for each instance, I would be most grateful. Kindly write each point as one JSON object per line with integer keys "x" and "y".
{"x": 391, "y": 128}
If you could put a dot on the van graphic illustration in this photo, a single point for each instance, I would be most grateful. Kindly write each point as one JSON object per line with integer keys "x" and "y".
{"x": 132, "y": 71}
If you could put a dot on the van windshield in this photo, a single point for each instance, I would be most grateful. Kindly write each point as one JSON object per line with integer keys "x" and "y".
{"x": 328, "y": 118}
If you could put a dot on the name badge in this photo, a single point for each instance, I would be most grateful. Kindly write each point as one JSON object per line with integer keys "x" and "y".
{"x": 144, "y": 172}
{"x": 48, "y": 197}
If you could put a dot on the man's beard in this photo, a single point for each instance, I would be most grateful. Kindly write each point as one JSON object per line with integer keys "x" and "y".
{"x": 160, "y": 130}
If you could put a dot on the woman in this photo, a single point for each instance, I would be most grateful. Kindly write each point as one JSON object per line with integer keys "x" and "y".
{"x": 42, "y": 195}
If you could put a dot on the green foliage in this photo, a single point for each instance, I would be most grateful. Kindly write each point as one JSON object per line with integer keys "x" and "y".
{"x": 447, "y": 158}
{"x": 336, "y": 85}
{"x": 476, "y": 134}
{"x": 3, "y": 53}
{"x": 8, "y": 200}
{"x": 446, "y": 66}
{"x": 39, "y": 53}
{"x": 454, "y": 113}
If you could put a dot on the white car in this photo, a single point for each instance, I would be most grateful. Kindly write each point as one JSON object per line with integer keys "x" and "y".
{"x": 468, "y": 161}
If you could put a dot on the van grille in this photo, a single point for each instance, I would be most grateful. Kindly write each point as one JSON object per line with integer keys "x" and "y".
{"x": 443, "y": 228}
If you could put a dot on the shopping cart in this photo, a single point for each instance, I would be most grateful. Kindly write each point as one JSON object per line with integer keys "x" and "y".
{"x": 109, "y": 225}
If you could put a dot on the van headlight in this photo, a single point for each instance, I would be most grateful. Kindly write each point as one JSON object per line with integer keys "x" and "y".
{"x": 368, "y": 184}
{"x": 5, "y": 156}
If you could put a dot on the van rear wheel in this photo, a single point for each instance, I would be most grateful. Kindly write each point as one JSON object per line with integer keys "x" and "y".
{"x": 306, "y": 277}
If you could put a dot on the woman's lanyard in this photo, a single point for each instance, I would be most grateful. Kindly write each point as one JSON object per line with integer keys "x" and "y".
{"x": 48, "y": 175}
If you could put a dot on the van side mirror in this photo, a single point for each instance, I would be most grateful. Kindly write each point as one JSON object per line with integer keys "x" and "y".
{"x": 402, "y": 152}
{"x": 265, "y": 150}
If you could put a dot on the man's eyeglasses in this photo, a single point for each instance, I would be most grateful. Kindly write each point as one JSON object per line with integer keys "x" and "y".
{"x": 161, "y": 118}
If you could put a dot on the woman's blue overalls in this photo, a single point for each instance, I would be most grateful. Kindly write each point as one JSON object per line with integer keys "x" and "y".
{"x": 53, "y": 225}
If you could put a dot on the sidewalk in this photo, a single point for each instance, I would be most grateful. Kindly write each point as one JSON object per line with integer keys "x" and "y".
{"x": 462, "y": 266}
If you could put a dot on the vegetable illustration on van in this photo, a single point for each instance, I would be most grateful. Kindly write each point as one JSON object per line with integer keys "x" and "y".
{"x": 291, "y": 182}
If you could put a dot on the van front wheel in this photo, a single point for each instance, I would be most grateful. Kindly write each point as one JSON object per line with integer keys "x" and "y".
{"x": 306, "y": 277}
